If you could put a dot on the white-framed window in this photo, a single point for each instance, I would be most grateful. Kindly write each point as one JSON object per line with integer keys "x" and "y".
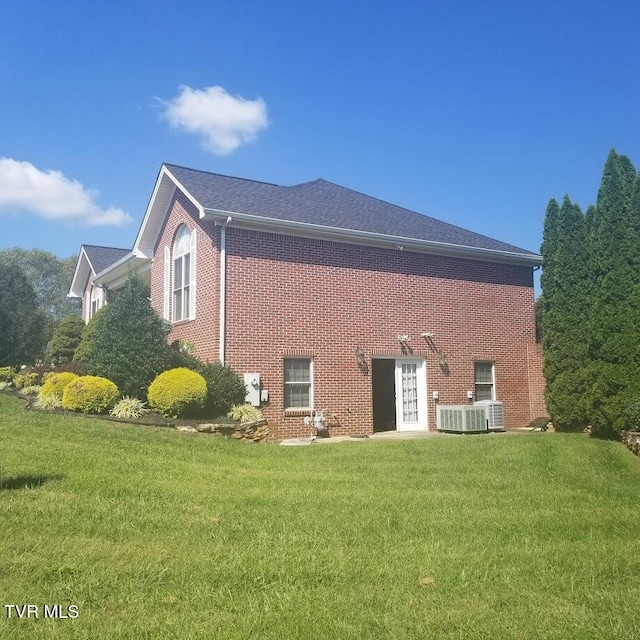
{"x": 298, "y": 383}
{"x": 180, "y": 276}
{"x": 484, "y": 378}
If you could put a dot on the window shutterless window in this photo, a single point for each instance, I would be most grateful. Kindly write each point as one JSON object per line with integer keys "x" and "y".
{"x": 484, "y": 381}
{"x": 298, "y": 393}
{"x": 180, "y": 276}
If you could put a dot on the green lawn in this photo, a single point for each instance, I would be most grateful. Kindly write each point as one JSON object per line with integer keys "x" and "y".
{"x": 153, "y": 533}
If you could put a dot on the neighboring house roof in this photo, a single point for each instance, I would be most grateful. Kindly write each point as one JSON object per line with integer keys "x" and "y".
{"x": 325, "y": 204}
{"x": 92, "y": 260}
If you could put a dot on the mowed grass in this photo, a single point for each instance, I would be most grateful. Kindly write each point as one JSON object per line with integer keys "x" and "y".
{"x": 157, "y": 534}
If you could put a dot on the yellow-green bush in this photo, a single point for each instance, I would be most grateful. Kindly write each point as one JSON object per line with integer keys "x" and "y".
{"x": 177, "y": 392}
{"x": 90, "y": 394}
{"x": 6, "y": 374}
{"x": 25, "y": 380}
{"x": 55, "y": 383}
{"x": 244, "y": 413}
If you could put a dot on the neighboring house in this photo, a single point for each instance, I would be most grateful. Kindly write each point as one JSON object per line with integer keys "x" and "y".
{"x": 330, "y": 300}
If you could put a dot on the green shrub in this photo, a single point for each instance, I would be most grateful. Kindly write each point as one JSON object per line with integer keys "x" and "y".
{"x": 224, "y": 388}
{"x": 178, "y": 392}
{"x": 129, "y": 344}
{"x": 47, "y": 403}
{"x": 21, "y": 380}
{"x": 90, "y": 394}
{"x": 182, "y": 354}
{"x": 244, "y": 413}
{"x": 85, "y": 346}
{"x": 66, "y": 338}
{"x": 55, "y": 383}
{"x": 6, "y": 374}
{"x": 632, "y": 414}
{"x": 5, "y": 385}
{"x": 128, "y": 408}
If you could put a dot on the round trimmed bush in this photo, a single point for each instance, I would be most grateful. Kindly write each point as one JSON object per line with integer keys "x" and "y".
{"x": 55, "y": 384}
{"x": 90, "y": 394}
{"x": 177, "y": 392}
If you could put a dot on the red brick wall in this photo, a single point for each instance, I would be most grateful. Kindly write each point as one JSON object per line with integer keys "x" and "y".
{"x": 203, "y": 331}
{"x": 296, "y": 296}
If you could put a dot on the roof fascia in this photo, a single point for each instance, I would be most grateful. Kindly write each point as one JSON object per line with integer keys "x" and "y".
{"x": 157, "y": 211}
{"x": 132, "y": 260}
{"x": 73, "y": 291}
{"x": 113, "y": 279}
{"x": 336, "y": 234}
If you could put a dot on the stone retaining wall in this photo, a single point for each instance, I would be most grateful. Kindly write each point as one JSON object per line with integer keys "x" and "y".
{"x": 632, "y": 440}
{"x": 256, "y": 431}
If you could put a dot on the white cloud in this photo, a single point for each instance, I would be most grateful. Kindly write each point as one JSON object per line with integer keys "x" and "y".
{"x": 51, "y": 195}
{"x": 222, "y": 122}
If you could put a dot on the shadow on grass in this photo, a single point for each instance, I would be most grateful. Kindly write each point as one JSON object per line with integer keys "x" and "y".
{"x": 26, "y": 482}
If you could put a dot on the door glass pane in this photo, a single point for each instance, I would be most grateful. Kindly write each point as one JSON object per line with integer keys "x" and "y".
{"x": 409, "y": 392}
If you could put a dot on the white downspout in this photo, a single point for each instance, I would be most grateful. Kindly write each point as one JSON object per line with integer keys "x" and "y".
{"x": 223, "y": 290}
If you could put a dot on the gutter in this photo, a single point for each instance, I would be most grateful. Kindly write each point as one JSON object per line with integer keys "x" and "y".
{"x": 222, "y": 321}
{"x": 336, "y": 234}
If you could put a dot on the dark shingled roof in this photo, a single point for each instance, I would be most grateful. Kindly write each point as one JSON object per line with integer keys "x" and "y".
{"x": 327, "y": 204}
{"x": 103, "y": 257}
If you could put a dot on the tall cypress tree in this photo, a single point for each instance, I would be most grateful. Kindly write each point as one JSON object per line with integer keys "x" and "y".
{"x": 565, "y": 292}
{"x": 614, "y": 335}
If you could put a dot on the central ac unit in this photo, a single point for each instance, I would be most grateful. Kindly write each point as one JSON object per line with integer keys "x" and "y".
{"x": 461, "y": 418}
{"x": 495, "y": 414}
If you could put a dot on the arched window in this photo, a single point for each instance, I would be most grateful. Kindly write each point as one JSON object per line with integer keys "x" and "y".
{"x": 183, "y": 271}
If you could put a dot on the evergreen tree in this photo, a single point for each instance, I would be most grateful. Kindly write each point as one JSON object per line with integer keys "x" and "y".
{"x": 66, "y": 338}
{"x": 565, "y": 286}
{"x": 614, "y": 350}
{"x": 83, "y": 351}
{"x": 129, "y": 342}
{"x": 22, "y": 324}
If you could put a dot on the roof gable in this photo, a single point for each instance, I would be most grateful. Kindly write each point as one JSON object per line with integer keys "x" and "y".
{"x": 92, "y": 260}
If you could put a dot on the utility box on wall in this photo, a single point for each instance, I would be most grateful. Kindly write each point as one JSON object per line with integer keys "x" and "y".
{"x": 252, "y": 383}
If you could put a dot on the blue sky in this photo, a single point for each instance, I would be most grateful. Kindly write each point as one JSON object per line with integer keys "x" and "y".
{"x": 474, "y": 113}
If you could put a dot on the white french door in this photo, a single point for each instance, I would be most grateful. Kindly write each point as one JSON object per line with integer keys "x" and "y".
{"x": 411, "y": 395}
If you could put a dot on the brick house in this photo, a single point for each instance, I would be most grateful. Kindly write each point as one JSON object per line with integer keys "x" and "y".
{"x": 329, "y": 300}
